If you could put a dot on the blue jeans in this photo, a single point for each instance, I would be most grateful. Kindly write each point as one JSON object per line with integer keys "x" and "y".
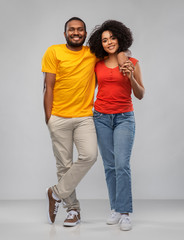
{"x": 115, "y": 133}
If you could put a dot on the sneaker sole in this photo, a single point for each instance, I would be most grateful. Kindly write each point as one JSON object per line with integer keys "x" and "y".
{"x": 113, "y": 223}
{"x": 71, "y": 224}
{"x": 125, "y": 228}
{"x": 48, "y": 215}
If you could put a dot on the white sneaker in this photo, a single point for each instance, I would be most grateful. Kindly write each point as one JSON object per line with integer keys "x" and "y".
{"x": 125, "y": 223}
{"x": 113, "y": 218}
{"x": 72, "y": 219}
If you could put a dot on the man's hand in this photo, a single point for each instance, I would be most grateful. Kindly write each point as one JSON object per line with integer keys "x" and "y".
{"x": 49, "y": 82}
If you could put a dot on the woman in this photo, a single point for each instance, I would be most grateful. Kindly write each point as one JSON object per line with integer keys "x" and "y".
{"x": 113, "y": 114}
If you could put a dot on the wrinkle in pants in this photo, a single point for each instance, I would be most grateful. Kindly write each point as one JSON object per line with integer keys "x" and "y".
{"x": 115, "y": 133}
{"x": 65, "y": 132}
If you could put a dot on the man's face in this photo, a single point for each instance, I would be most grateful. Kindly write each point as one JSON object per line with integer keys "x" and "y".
{"x": 75, "y": 34}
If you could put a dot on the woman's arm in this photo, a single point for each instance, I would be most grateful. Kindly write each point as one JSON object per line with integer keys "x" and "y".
{"x": 135, "y": 76}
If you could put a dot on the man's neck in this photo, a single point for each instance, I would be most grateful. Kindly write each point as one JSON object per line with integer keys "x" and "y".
{"x": 74, "y": 48}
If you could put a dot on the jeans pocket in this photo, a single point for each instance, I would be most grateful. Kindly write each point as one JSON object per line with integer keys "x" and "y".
{"x": 128, "y": 114}
{"x": 129, "y": 117}
{"x": 97, "y": 114}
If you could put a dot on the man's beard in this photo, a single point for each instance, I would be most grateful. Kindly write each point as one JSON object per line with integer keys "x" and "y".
{"x": 72, "y": 44}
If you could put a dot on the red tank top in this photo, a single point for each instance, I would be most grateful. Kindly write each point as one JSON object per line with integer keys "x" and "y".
{"x": 114, "y": 90}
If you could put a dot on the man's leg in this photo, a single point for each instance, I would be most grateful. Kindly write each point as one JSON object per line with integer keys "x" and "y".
{"x": 84, "y": 136}
{"x": 86, "y": 143}
{"x": 61, "y": 131}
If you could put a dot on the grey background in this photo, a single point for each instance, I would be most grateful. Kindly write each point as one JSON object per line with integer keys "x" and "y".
{"x": 27, "y": 28}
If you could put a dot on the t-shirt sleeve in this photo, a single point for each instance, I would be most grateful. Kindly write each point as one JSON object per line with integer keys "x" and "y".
{"x": 134, "y": 60}
{"x": 49, "y": 61}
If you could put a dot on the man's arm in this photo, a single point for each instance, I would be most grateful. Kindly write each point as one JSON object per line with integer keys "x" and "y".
{"x": 122, "y": 58}
{"x": 49, "y": 82}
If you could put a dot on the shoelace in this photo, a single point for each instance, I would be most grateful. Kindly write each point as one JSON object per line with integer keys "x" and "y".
{"x": 113, "y": 214}
{"x": 124, "y": 219}
{"x": 63, "y": 202}
{"x": 71, "y": 214}
{"x": 56, "y": 208}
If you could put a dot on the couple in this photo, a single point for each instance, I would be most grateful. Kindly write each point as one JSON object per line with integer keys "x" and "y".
{"x": 71, "y": 72}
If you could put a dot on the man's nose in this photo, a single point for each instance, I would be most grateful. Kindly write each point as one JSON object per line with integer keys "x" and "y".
{"x": 76, "y": 31}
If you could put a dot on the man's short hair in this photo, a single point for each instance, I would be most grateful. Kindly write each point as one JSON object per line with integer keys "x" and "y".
{"x": 75, "y": 18}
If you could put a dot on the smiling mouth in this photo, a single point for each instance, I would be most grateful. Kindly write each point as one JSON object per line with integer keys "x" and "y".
{"x": 76, "y": 38}
{"x": 111, "y": 47}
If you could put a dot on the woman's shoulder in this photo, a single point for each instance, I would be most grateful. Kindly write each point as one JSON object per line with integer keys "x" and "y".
{"x": 100, "y": 63}
{"x": 99, "y": 66}
{"x": 133, "y": 60}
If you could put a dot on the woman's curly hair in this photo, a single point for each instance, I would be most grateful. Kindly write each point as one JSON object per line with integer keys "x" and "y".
{"x": 119, "y": 30}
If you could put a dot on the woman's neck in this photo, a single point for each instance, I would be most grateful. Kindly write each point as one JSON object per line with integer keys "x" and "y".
{"x": 111, "y": 61}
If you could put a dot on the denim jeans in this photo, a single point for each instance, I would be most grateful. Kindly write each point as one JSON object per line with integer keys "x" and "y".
{"x": 115, "y": 134}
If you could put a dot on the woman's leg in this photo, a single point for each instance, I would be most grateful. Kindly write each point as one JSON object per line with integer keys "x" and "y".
{"x": 123, "y": 142}
{"x": 105, "y": 142}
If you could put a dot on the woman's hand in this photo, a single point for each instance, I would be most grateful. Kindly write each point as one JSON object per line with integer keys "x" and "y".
{"x": 128, "y": 69}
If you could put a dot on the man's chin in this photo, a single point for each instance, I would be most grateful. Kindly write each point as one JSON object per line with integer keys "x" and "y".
{"x": 76, "y": 44}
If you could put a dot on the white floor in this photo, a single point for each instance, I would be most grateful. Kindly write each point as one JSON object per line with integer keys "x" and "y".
{"x": 158, "y": 220}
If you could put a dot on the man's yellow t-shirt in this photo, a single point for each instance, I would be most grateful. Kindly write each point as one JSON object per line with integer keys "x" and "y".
{"x": 74, "y": 88}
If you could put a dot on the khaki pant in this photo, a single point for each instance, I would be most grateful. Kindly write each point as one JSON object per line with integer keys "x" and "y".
{"x": 64, "y": 133}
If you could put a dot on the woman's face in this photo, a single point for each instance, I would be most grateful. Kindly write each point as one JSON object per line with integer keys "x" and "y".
{"x": 109, "y": 42}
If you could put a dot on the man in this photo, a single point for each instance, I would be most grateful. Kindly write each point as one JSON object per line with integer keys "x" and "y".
{"x": 68, "y": 101}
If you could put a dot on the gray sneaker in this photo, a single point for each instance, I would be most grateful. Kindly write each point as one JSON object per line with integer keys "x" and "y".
{"x": 113, "y": 218}
{"x": 125, "y": 223}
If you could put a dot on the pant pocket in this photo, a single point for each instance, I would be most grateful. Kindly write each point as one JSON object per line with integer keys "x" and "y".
{"x": 97, "y": 114}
